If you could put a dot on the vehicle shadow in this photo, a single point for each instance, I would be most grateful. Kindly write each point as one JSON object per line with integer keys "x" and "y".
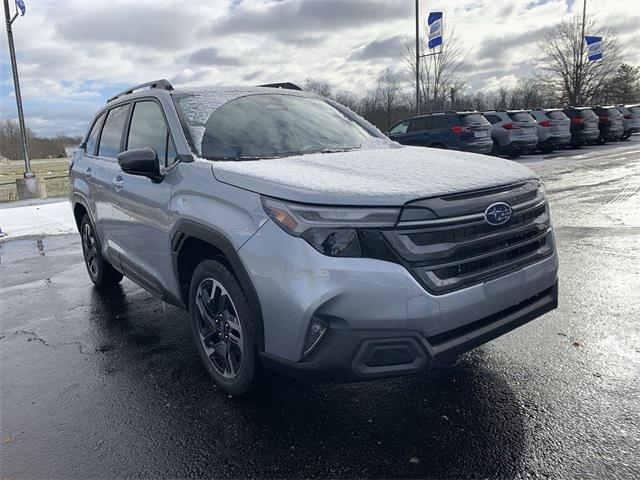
{"x": 462, "y": 421}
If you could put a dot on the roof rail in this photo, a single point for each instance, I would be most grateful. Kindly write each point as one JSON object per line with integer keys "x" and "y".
{"x": 285, "y": 85}
{"x": 162, "y": 84}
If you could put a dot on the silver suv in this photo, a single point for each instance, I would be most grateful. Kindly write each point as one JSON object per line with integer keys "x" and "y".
{"x": 513, "y": 132}
{"x": 299, "y": 238}
{"x": 553, "y": 128}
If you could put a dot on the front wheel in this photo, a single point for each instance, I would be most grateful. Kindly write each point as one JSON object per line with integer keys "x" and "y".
{"x": 223, "y": 327}
{"x": 101, "y": 273}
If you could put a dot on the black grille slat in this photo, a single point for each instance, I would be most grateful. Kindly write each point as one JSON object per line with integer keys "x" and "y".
{"x": 453, "y": 253}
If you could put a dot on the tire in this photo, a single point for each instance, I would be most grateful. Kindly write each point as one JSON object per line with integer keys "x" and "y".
{"x": 222, "y": 328}
{"x": 100, "y": 271}
{"x": 438, "y": 145}
{"x": 495, "y": 151}
{"x": 513, "y": 156}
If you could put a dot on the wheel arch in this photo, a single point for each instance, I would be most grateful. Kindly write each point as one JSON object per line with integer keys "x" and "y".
{"x": 192, "y": 243}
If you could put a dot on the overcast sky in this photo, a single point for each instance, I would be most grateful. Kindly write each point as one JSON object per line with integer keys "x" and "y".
{"x": 73, "y": 54}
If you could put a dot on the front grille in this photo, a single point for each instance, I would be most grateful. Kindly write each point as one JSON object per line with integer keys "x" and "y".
{"x": 452, "y": 253}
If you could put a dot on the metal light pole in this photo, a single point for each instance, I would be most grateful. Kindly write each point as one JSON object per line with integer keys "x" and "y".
{"x": 417, "y": 59}
{"x": 16, "y": 83}
{"x": 580, "y": 73}
{"x": 29, "y": 186}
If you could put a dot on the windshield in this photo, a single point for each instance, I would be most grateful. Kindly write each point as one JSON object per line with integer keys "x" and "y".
{"x": 276, "y": 125}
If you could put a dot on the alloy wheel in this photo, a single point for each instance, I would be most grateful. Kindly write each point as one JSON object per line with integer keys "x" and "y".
{"x": 90, "y": 250}
{"x": 219, "y": 328}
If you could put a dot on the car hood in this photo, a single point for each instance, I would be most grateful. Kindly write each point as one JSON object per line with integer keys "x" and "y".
{"x": 388, "y": 176}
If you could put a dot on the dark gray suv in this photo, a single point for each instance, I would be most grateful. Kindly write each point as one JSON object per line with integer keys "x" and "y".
{"x": 467, "y": 131}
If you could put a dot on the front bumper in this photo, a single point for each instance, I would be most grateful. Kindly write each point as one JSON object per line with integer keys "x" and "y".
{"x": 365, "y": 299}
{"x": 352, "y": 355}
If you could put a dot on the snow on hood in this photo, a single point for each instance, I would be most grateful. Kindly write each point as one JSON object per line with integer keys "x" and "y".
{"x": 388, "y": 176}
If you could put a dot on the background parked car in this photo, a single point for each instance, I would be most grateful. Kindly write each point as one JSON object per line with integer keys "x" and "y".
{"x": 468, "y": 131}
{"x": 610, "y": 123}
{"x": 584, "y": 125}
{"x": 513, "y": 132}
{"x": 553, "y": 129}
{"x": 630, "y": 119}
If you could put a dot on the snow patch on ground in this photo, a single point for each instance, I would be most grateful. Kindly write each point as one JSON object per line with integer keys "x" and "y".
{"x": 21, "y": 219}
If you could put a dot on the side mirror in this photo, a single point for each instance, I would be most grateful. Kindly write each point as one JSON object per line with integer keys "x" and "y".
{"x": 140, "y": 161}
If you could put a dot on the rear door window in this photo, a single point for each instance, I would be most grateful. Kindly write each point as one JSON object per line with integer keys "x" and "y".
{"x": 474, "y": 119}
{"x": 149, "y": 129}
{"x": 521, "y": 117}
{"x": 438, "y": 123}
{"x": 111, "y": 136}
{"x": 557, "y": 115}
{"x": 92, "y": 139}
{"x": 419, "y": 124}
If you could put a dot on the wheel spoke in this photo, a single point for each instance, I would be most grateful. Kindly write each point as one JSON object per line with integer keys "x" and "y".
{"x": 220, "y": 329}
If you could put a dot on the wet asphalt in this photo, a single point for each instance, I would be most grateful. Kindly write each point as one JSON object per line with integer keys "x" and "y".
{"x": 110, "y": 385}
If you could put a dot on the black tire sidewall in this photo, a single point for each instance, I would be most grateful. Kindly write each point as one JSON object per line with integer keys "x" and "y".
{"x": 107, "y": 275}
{"x": 248, "y": 369}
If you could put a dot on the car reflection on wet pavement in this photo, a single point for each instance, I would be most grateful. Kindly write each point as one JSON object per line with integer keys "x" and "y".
{"x": 111, "y": 385}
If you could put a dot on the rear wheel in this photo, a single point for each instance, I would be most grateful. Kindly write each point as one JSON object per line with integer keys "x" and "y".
{"x": 438, "y": 145}
{"x": 101, "y": 273}
{"x": 223, "y": 327}
{"x": 513, "y": 155}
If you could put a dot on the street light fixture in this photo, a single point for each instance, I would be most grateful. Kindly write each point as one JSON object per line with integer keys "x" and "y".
{"x": 29, "y": 186}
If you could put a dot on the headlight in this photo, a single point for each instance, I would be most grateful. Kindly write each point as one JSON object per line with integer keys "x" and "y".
{"x": 542, "y": 189}
{"x": 332, "y": 231}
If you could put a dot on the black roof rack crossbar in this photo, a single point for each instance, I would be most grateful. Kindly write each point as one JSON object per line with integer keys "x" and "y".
{"x": 161, "y": 84}
{"x": 287, "y": 85}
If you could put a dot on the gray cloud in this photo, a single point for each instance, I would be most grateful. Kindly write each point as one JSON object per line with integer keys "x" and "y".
{"x": 311, "y": 15}
{"x": 158, "y": 27}
{"x": 387, "y": 48}
{"x": 495, "y": 47}
{"x": 211, "y": 56}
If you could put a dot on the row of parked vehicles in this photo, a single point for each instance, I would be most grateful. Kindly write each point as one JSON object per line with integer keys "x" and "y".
{"x": 516, "y": 132}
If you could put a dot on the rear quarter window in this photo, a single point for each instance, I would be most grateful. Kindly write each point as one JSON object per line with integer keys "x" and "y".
{"x": 92, "y": 139}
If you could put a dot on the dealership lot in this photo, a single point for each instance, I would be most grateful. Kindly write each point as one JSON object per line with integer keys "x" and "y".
{"x": 111, "y": 385}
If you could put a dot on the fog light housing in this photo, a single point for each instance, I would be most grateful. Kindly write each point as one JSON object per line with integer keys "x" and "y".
{"x": 317, "y": 330}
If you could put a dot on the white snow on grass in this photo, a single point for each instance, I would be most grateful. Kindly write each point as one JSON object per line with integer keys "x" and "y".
{"x": 389, "y": 176}
{"x": 21, "y": 219}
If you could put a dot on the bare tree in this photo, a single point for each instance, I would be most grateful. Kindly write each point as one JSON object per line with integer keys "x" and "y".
{"x": 576, "y": 80}
{"x": 319, "y": 87}
{"x": 439, "y": 74}
{"x": 388, "y": 91}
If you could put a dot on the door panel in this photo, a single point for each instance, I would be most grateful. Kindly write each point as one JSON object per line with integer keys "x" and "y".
{"x": 141, "y": 205}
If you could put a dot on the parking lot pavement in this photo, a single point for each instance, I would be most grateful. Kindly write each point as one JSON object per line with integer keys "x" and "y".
{"x": 106, "y": 386}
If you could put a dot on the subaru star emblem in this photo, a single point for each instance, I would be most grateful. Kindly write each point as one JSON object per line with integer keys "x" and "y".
{"x": 497, "y": 213}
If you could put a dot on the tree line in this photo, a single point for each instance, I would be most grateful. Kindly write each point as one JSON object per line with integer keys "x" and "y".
{"x": 563, "y": 77}
{"x": 39, "y": 147}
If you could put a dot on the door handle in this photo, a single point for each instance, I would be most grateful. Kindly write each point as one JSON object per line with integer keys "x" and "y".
{"x": 118, "y": 183}
{"x": 88, "y": 172}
